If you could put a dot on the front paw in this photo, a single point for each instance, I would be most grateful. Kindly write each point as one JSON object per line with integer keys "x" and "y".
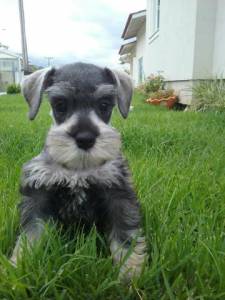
{"x": 135, "y": 262}
{"x": 13, "y": 260}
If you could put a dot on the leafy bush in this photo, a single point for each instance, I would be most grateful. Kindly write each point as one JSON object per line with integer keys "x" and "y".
{"x": 161, "y": 94}
{"x": 13, "y": 89}
{"x": 209, "y": 95}
{"x": 154, "y": 88}
{"x": 154, "y": 83}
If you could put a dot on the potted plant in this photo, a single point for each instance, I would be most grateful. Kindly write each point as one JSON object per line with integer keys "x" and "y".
{"x": 164, "y": 97}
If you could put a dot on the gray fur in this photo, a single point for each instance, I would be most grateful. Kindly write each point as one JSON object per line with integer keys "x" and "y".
{"x": 32, "y": 89}
{"x": 80, "y": 177}
{"x": 125, "y": 91}
{"x": 35, "y": 84}
{"x": 105, "y": 90}
{"x": 32, "y": 233}
{"x": 61, "y": 89}
{"x": 134, "y": 261}
{"x": 64, "y": 151}
{"x": 43, "y": 171}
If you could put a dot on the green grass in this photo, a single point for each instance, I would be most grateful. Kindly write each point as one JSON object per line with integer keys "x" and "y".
{"x": 178, "y": 165}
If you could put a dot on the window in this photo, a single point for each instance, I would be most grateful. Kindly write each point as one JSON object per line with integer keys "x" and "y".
{"x": 6, "y": 64}
{"x": 155, "y": 16}
{"x": 140, "y": 70}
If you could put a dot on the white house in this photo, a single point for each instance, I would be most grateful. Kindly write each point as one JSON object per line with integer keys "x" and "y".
{"x": 184, "y": 40}
{"x": 11, "y": 68}
{"x": 133, "y": 52}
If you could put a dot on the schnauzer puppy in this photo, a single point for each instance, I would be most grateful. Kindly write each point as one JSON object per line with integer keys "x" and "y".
{"x": 80, "y": 177}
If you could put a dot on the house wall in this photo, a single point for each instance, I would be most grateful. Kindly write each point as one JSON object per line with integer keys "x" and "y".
{"x": 190, "y": 43}
{"x": 10, "y": 70}
{"x": 139, "y": 52}
{"x": 171, "y": 50}
{"x": 135, "y": 70}
{"x": 5, "y": 55}
{"x": 132, "y": 63}
{"x": 204, "y": 39}
{"x": 219, "y": 41}
{"x": 19, "y": 75}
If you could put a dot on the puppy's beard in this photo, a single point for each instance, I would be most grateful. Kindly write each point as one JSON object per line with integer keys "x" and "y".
{"x": 63, "y": 149}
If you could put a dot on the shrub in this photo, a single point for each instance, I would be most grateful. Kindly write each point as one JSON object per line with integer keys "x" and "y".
{"x": 154, "y": 83}
{"x": 153, "y": 88}
{"x": 209, "y": 95}
{"x": 161, "y": 94}
{"x": 13, "y": 89}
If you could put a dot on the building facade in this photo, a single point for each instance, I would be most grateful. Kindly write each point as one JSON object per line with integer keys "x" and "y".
{"x": 183, "y": 40}
{"x": 11, "y": 68}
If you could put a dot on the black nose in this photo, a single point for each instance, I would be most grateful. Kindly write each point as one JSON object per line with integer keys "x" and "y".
{"x": 85, "y": 140}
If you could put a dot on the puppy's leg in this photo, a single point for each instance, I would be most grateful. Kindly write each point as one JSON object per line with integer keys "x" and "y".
{"x": 126, "y": 242}
{"x": 34, "y": 211}
{"x": 133, "y": 258}
{"x": 33, "y": 233}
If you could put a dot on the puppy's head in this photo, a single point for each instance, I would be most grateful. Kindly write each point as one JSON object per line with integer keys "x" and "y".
{"x": 82, "y": 97}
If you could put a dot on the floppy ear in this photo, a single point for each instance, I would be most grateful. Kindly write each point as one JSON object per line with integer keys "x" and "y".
{"x": 124, "y": 90}
{"x": 33, "y": 87}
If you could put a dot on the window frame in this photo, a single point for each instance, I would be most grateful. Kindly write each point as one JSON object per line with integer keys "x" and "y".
{"x": 140, "y": 70}
{"x": 155, "y": 18}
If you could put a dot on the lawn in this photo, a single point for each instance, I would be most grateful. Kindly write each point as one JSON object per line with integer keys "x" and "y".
{"x": 178, "y": 165}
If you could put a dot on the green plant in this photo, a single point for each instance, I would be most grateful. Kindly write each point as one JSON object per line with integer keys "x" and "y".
{"x": 154, "y": 83}
{"x": 209, "y": 95}
{"x": 13, "y": 89}
{"x": 161, "y": 94}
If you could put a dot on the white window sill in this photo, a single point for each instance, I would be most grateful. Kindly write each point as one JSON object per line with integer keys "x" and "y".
{"x": 153, "y": 36}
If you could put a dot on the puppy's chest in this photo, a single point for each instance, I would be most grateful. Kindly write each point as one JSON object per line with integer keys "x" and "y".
{"x": 77, "y": 205}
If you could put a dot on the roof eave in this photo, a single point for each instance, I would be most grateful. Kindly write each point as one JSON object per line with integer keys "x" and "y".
{"x": 10, "y": 53}
{"x": 124, "y": 45}
{"x": 123, "y": 36}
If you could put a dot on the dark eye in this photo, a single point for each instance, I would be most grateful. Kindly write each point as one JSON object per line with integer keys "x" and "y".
{"x": 60, "y": 107}
{"x": 104, "y": 107}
